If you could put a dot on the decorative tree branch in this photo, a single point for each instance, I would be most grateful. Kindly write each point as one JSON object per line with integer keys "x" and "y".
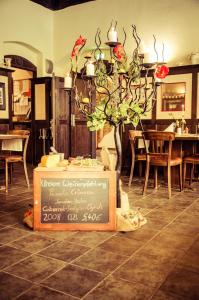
{"x": 126, "y": 89}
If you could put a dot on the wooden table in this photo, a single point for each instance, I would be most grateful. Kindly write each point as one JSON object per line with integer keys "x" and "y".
{"x": 9, "y": 136}
{"x": 187, "y": 137}
{"x": 184, "y": 145}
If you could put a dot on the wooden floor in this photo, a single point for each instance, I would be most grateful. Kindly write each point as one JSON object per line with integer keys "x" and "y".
{"x": 160, "y": 261}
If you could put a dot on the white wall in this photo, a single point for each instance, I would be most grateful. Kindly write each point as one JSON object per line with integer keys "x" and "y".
{"x": 36, "y": 33}
{"x": 174, "y": 22}
{"x": 26, "y": 29}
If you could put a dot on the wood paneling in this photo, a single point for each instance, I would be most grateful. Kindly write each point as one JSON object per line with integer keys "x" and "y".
{"x": 72, "y": 136}
{"x": 22, "y": 63}
{"x": 39, "y": 145}
{"x": 81, "y": 140}
{"x": 7, "y": 73}
{"x": 61, "y": 116}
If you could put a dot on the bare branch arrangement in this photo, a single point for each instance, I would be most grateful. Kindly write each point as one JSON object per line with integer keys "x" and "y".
{"x": 126, "y": 87}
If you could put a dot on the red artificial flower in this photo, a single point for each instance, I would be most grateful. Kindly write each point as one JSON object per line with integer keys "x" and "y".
{"x": 161, "y": 71}
{"x": 74, "y": 52}
{"x": 119, "y": 52}
{"x": 28, "y": 213}
{"x": 119, "y": 55}
{"x": 80, "y": 41}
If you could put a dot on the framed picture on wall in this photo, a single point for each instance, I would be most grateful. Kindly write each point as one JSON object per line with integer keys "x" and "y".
{"x": 198, "y": 98}
{"x": 2, "y": 96}
{"x": 174, "y": 97}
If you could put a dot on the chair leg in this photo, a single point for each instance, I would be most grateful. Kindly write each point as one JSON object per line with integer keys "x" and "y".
{"x": 180, "y": 177}
{"x": 184, "y": 173}
{"x": 169, "y": 181}
{"x": 146, "y": 177}
{"x": 155, "y": 177}
{"x": 6, "y": 175}
{"x": 26, "y": 173}
{"x": 11, "y": 172}
{"x": 191, "y": 174}
{"x": 140, "y": 169}
{"x": 132, "y": 170}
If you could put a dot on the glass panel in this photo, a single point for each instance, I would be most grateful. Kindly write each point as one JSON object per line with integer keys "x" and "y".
{"x": 173, "y": 96}
{"x": 40, "y": 101}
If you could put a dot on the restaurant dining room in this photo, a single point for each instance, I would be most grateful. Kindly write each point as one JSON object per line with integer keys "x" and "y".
{"x": 99, "y": 149}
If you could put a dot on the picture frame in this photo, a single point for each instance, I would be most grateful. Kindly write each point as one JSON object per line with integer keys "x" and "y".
{"x": 93, "y": 210}
{"x": 2, "y": 96}
{"x": 197, "y": 116}
{"x": 185, "y": 110}
{"x": 173, "y": 96}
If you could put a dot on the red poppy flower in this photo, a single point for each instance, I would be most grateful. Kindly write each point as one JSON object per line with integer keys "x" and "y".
{"x": 74, "y": 52}
{"x": 80, "y": 41}
{"x": 119, "y": 52}
{"x": 161, "y": 71}
{"x": 27, "y": 213}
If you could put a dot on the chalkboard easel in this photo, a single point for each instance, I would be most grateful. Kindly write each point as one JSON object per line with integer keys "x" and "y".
{"x": 82, "y": 200}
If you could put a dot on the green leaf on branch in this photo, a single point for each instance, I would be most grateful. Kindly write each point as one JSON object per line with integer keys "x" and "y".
{"x": 114, "y": 113}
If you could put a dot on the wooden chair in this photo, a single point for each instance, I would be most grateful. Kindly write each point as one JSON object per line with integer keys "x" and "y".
{"x": 193, "y": 160}
{"x": 140, "y": 157}
{"x": 10, "y": 158}
{"x": 159, "y": 154}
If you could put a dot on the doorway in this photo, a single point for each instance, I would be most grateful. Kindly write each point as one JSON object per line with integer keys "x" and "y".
{"x": 21, "y": 116}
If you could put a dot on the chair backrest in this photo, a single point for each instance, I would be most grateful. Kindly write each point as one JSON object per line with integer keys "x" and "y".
{"x": 157, "y": 140}
{"x": 133, "y": 136}
{"x": 25, "y": 134}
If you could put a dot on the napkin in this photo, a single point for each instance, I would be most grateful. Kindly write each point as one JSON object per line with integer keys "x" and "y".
{"x": 12, "y": 145}
{"x": 170, "y": 128}
{"x": 108, "y": 140}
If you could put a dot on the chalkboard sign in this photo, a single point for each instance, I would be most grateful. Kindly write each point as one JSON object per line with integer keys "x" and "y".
{"x": 74, "y": 200}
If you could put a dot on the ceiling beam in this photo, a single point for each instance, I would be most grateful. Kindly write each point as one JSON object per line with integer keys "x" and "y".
{"x": 59, "y": 4}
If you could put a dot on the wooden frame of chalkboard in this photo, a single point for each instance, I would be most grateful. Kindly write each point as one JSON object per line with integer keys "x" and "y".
{"x": 66, "y": 200}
